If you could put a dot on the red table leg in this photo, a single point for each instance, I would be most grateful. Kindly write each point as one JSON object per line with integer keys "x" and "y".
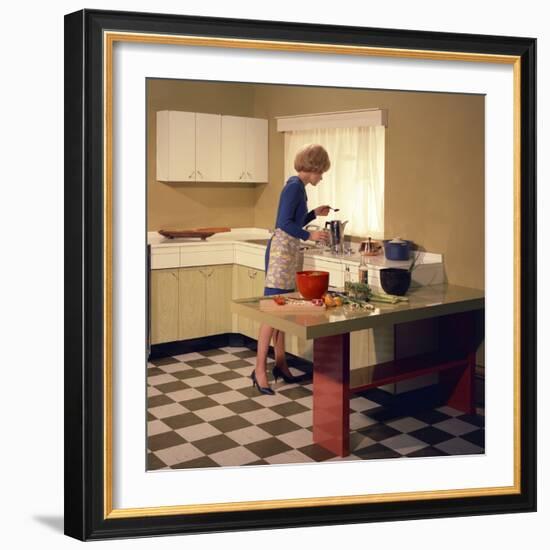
{"x": 458, "y": 336}
{"x": 330, "y": 393}
{"x": 458, "y": 386}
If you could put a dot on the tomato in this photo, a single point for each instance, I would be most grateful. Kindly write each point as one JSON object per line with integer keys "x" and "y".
{"x": 280, "y": 300}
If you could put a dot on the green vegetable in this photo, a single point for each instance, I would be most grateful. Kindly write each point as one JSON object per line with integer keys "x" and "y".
{"x": 386, "y": 298}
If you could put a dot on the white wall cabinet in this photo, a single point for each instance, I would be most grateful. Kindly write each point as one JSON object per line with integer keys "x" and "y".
{"x": 175, "y": 146}
{"x": 188, "y": 146}
{"x": 208, "y": 134}
{"x": 244, "y": 149}
{"x": 209, "y": 147}
{"x": 256, "y": 150}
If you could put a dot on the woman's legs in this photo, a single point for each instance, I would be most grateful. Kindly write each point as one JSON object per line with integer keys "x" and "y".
{"x": 279, "y": 347}
{"x": 264, "y": 337}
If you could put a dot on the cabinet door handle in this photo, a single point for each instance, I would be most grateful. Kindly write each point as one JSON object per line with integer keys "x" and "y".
{"x": 200, "y": 174}
{"x": 173, "y": 275}
{"x": 191, "y": 174}
{"x": 249, "y": 175}
{"x": 241, "y": 176}
{"x": 252, "y": 274}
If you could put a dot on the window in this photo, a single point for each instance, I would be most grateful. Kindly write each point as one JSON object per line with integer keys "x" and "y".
{"x": 355, "y": 181}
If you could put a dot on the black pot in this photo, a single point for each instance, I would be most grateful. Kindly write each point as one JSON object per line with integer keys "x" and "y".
{"x": 395, "y": 281}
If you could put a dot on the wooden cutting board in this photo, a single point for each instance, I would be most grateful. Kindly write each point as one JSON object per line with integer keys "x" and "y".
{"x": 269, "y": 305}
{"x": 201, "y": 233}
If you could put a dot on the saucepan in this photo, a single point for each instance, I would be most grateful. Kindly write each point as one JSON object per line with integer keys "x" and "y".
{"x": 397, "y": 249}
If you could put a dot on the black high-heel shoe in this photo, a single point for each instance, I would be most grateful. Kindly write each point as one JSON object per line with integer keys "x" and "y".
{"x": 267, "y": 390}
{"x": 278, "y": 373}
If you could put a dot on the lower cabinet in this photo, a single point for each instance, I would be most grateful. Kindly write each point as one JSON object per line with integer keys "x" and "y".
{"x": 164, "y": 305}
{"x": 218, "y": 298}
{"x": 190, "y": 302}
{"x": 247, "y": 282}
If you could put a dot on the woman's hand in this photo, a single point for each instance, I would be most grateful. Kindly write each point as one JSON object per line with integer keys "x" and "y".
{"x": 322, "y": 210}
{"x": 321, "y": 236}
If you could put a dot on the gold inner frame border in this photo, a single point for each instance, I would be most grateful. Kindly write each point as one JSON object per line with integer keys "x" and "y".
{"x": 109, "y": 39}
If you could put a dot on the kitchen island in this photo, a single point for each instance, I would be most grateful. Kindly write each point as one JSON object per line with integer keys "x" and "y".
{"x": 457, "y": 310}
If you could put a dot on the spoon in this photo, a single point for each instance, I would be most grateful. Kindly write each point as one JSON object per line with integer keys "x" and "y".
{"x": 335, "y": 209}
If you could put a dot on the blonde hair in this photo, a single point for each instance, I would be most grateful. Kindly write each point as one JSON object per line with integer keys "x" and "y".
{"x": 312, "y": 158}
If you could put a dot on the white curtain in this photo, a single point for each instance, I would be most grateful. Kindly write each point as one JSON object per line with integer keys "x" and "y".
{"x": 355, "y": 181}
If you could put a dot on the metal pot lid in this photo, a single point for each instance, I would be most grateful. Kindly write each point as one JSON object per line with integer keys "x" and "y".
{"x": 397, "y": 240}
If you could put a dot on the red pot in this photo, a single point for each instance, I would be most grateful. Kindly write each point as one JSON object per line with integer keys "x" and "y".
{"x": 312, "y": 284}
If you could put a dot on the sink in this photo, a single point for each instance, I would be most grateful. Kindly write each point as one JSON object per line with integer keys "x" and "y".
{"x": 263, "y": 242}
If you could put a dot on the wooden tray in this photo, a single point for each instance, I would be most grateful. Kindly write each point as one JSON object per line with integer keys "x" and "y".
{"x": 268, "y": 304}
{"x": 200, "y": 233}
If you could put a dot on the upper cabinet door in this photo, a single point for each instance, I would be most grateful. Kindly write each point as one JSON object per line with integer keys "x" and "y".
{"x": 207, "y": 147}
{"x": 208, "y": 142}
{"x": 175, "y": 146}
{"x": 233, "y": 148}
{"x": 256, "y": 149}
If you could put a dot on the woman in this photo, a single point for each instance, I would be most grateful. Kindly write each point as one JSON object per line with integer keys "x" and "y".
{"x": 282, "y": 253}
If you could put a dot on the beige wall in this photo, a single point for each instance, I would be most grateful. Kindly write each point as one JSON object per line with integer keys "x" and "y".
{"x": 434, "y": 189}
{"x": 188, "y": 205}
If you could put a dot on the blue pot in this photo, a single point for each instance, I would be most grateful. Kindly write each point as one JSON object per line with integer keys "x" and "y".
{"x": 397, "y": 249}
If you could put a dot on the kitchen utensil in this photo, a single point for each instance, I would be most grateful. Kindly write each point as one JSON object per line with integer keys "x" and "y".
{"x": 335, "y": 209}
{"x": 312, "y": 284}
{"x": 318, "y": 244}
{"x": 370, "y": 247}
{"x": 335, "y": 230}
{"x": 395, "y": 281}
{"x": 397, "y": 249}
{"x": 201, "y": 233}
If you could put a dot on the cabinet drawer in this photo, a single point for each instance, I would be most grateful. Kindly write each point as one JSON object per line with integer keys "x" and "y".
{"x": 206, "y": 255}
{"x": 165, "y": 257}
{"x": 250, "y": 257}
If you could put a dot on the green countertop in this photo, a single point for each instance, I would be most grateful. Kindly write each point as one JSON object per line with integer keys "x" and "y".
{"x": 309, "y": 322}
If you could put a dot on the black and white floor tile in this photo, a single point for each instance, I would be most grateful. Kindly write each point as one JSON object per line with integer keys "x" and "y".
{"x": 204, "y": 412}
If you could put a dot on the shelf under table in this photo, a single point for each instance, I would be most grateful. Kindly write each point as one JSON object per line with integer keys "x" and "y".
{"x": 396, "y": 370}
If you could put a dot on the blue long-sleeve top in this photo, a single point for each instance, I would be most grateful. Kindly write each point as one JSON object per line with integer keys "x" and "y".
{"x": 292, "y": 213}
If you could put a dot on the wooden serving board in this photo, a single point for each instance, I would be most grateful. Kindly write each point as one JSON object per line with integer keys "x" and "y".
{"x": 201, "y": 233}
{"x": 269, "y": 305}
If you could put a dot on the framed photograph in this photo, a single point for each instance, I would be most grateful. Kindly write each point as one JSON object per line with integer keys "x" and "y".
{"x": 367, "y": 194}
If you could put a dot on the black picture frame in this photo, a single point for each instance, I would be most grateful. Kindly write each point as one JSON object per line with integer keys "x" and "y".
{"x": 85, "y": 498}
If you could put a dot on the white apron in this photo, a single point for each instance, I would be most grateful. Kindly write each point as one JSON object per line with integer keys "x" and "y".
{"x": 284, "y": 259}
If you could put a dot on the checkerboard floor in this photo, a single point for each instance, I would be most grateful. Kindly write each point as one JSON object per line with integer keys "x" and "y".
{"x": 204, "y": 412}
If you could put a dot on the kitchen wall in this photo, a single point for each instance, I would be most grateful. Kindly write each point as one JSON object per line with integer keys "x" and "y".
{"x": 434, "y": 190}
{"x": 188, "y": 205}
